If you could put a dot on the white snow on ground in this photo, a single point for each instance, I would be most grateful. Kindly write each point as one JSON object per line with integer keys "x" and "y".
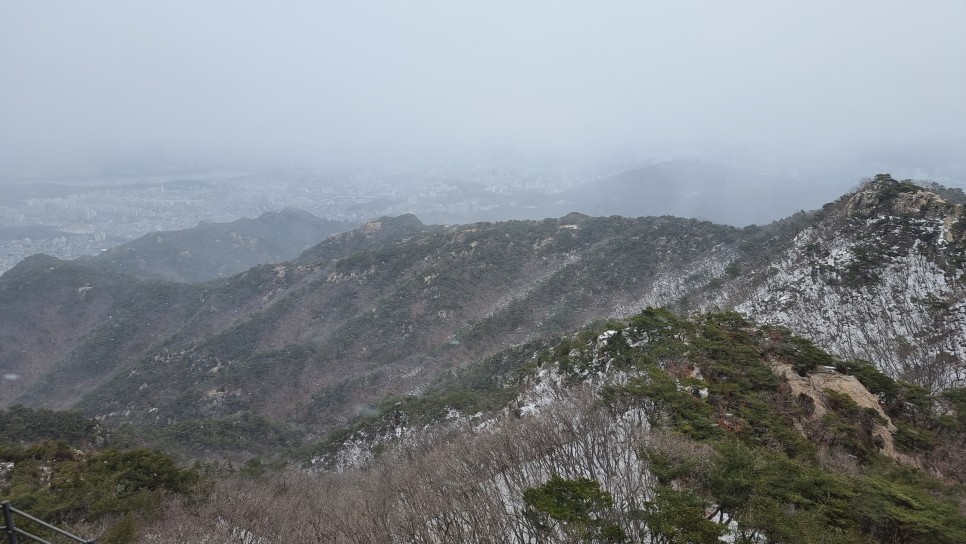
{"x": 898, "y": 323}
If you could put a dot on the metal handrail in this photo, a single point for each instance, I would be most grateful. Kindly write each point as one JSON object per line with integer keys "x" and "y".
{"x": 12, "y": 531}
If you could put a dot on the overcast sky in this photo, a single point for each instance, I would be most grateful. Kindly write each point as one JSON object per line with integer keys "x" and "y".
{"x": 122, "y": 76}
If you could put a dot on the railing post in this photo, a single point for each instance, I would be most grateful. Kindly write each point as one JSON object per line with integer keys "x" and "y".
{"x": 8, "y": 523}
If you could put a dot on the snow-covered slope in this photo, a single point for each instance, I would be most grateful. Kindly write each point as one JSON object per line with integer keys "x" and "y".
{"x": 879, "y": 277}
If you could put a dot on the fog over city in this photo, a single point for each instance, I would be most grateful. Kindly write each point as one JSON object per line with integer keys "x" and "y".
{"x": 386, "y": 99}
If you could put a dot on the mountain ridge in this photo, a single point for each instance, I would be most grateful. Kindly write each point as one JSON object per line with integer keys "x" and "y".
{"x": 885, "y": 268}
{"x": 386, "y": 308}
{"x": 213, "y": 250}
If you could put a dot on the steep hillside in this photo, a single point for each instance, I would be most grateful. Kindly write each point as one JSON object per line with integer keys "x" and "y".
{"x": 653, "y": 429}
{"x": 383, "y": 309}
{"x": 336, "y": 332}
{"x": 63, "y": 317}
{"x": 880, "y": 276}
{"x": 303, "y": 346}
{"x": 214, "y": 250}
{"x": 67, "y": 326}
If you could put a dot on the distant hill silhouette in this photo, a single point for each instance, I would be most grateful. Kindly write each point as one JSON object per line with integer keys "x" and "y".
{"x": 696, "y": 189}
{"x": 212, "y": 250}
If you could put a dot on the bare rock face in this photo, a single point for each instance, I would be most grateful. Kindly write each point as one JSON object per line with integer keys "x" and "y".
{"x": 815, "y": 386}
{"x": 879, "y": 277}
{"x": 921, "y": 202}
{"x": 887, "y": 196}
{"x": 371, "y": 228}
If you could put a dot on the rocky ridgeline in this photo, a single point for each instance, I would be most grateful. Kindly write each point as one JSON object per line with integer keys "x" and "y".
{"x": 879, "y": 277}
